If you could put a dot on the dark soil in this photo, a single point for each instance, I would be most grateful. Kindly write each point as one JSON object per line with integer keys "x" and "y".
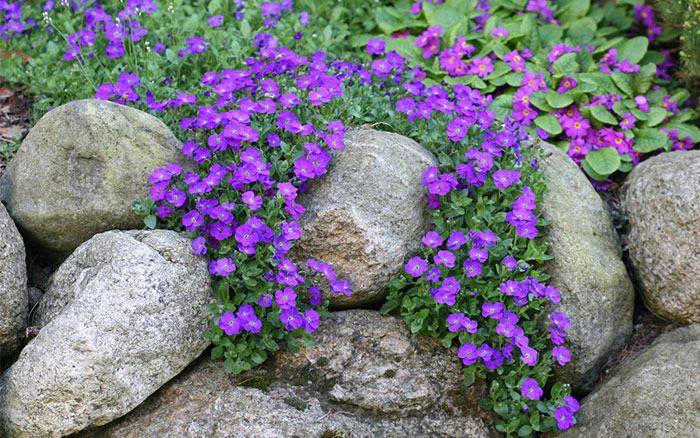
{"x": 14, "y": 121}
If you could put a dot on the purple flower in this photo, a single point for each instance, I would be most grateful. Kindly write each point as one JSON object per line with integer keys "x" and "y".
{"x": 265, "y": 300}
{"x": 376, "y": 46}
{"x": 510, "y": 263}
{"x": 560, "y": 321}
{"x": 199, "y": 246}
{"x": 222, "y": 267}
{"x": 572, "y": 403}
{"x": 492, "y": 310}
{"x": 561, "y": 355}
{"x": 530, "y": 389}
{"x": 528, "y": 356}
{"x": 468, "y": 354}
{"x": 472, "y": 268}
{"x": 564, "y": 417}
{"x": 416, "y": 266}
{"x": 444, "y": 257}
{"x": 286, "y": 298}
{"x": 215, "y": 21}
{"x": 505, "y": 178}
{"x": 229, "y": 324}
{"x": 432, "y": 239}
{"x": 291, "y": 319}
{"x": 250, "y": 199}
{"x": 456, "y": 322}
{"x": 456, "y": 240}
{"x": 311, "y": 320}
{"x": 341, "y": 287}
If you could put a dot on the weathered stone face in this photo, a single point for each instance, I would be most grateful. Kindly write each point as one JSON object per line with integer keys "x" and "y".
{"x": 13, "y": 285}
{"x": 368, "y": 213}
{"x": 123, "y": 314}
{"x": 368, "y": 376}
{"x": 657, "y": 394}
{"x": 587, "y": 268}
{"x": 80, "y": 167}
{"x": 663, "y": 208}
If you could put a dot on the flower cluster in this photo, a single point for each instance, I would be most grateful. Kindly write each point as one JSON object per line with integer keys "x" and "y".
{"x": 605, "y": 104}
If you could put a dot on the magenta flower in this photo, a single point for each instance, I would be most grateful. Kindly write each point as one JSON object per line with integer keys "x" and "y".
{"x": 468, "y": 354}
{"x": 561, "y": 355}
{"x": 564, "y": 417}
{"x": 222, "y": 267}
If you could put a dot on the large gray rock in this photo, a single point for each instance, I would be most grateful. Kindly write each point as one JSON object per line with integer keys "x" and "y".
{"x": 367, "y": 377}
{"x": 368, "y": 214}
{"x": 123, "y": 314}
{"x": 663, "y": 208}
{"x": 80, "y": 167}
{"x": 655, "y": 395}
{"x": 13, "y": 285}
{"x": 587, "y": 268}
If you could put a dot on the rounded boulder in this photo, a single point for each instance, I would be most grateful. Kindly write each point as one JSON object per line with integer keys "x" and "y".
{"x": 80, "y": 167}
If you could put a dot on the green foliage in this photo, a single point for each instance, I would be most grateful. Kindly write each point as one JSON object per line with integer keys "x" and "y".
{"x": 682, "y": 20}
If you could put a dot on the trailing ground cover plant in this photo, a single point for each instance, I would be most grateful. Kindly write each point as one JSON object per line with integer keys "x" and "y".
{"x": 568, "y": 70}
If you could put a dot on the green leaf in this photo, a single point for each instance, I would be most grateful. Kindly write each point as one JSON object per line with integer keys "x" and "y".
{"x": 469, "y": 377}
{"x": 565, "y": 65}
{"x": 604, "y": 161}
{"x": 633, "y": 49}
{"x": 686, "y": 130}
{"x": 583, "y": 30}
{"x": 650, "y": 139}
{"x": 556, "y": 100}
{"x": 214, "y": 6}
{"x": 601, "y": 114}
{"x": 550, "y": 33}
{"x": 572, "y": 10}
{"x": 643, "y": 78}
{"x": 549, "y": 123}
{"x": 624, "y": 82}
{"x": 245, "y": 28}
{"x": 525, "y": 431}
{"x": 150, "y": 221}
{"x": 656, "y": 115}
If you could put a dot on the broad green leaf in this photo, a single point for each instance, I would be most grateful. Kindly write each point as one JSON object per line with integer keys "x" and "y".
{"x": 573, "y": 9}
{"x": 582, "y": 30}
{"x": 550, "y": 34}
{"x": 624, "y": 82}
{"x": 556, "y": 100}
{"x": 686, "y": 130}
{"x": 650, "y": 139}
{"x": 565, "y": 65}
{"x": 656, "y": 115}
{"x": 150, "y": 221}
{"x": 603, "y": 161}
{"x": 633, "y": 49}
{"x": 601, "y": 114}
{"x": 549, "y": 123}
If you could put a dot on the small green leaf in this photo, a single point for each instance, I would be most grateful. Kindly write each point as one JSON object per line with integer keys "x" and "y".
{"x": 604, "y": 161}
{"x": 150, "y": 221}
{"x": 624, "y": 82}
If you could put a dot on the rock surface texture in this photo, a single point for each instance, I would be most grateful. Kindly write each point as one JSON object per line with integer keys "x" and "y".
{"x": 596, "y": 291}
{"x": 13, "y": 285}
{"x": 663, "y": 208}
{"x": 657, "y": 394}
{"x": 368, "y": 213}
{"x": 123, "y": 315}
{"x": 80, "y": 167}
{"x": 367, "y": 377}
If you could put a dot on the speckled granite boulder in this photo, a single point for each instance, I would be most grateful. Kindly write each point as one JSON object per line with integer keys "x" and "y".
{"x": 123, "y": 314}
{"x": 596, "y": 291}
{"x": 662, "y": 204}
{"x": 368, "y": 213}
{"x": 13, "y": 285}
{"x": 657, "y": 394}
{"x": 80, "y": 167}
{"x": 367, "y": 377}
